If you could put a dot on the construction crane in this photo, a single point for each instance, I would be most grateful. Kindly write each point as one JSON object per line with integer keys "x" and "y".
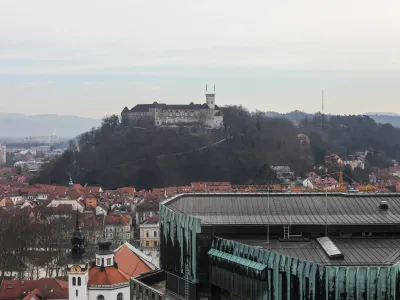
{"x": 341, "y": 186}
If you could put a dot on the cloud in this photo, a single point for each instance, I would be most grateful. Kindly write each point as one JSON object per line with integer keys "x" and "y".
{"x": 279, "y": 35}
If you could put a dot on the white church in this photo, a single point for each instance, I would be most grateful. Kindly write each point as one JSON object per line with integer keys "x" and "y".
{"x": 99, "y": 281}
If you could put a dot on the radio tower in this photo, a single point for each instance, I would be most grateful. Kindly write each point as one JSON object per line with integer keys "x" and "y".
{"x": 322, "y": 110}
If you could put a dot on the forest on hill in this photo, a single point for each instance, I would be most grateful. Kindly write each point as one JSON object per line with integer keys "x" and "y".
{"x": 117, "y": 154}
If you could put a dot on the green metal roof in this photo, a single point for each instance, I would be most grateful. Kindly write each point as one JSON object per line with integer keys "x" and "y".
{"x": 236, "y": 259}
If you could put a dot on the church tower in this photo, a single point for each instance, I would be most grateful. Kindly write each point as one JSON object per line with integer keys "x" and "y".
{"x": 78, "y": 267}
{"x": 210, "y": 98}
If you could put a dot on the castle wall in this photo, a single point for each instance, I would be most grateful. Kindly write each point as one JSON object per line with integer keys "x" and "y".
{"x": 180, "y": 116}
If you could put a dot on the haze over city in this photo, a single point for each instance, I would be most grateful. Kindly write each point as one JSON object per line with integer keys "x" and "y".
{"x": 93, "y": 58}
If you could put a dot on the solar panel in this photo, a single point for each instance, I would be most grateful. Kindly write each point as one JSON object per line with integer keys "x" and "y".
{"x": 329, "y": 247}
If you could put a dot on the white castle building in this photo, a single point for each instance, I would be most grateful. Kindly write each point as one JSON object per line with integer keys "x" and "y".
{"x": 207, "y": 114}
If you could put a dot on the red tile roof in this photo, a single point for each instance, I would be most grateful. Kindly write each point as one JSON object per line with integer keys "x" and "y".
{"x": 117, "y": 220}
{"x": 148, "y": 205}
{"x": 153, "y": 219}
{"x": 198, "y": 186}
{"x": 93, "y": 189}
{"x": 213, "y": 187}
{"x": 49, "y": 288}
{"x": 35, "y": 294}
{"x": 126, "y": 190}
{"x": 158, "y": 192}
{"x": 129, "y": 262}
{"x": 110, "y": 276}
{"x": 141, "y": 193}
{"x": 60, "y": 190}
{"x": 77, "y": 187}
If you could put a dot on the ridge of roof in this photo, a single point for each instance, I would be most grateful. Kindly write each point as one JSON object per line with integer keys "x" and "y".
{"x": 145, "y": 258}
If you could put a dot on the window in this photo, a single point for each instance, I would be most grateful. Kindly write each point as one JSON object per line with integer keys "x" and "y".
{"x": 147, "y": 243}
{"x": 147, "y": 234}
{"x": 79, "y": 281}
{"x": 102, "y": 261}
{"x": 155, "y": 234}
{"x": 100, "y": 297}
{"x": 120, "y": 296}
{"x": 155, "y": 243}
{"x": 108, "y": 261}
{"x": 73, "y": 281}
{"x": 98, "y": 261}
{"x": 77, "y": 293}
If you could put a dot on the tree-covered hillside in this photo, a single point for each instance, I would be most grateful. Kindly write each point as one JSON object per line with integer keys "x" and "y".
{"x": 115, "y": 154}
{"x": 345, "y": 135}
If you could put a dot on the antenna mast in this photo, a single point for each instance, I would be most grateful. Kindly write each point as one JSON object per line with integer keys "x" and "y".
{"x": 322, "y": 102}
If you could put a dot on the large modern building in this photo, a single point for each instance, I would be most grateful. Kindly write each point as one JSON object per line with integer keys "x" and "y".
{"x": 280, "y": 246}
{"x": 207, "y": 114}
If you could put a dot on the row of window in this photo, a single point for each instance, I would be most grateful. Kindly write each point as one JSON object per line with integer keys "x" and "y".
{"x": 154, "y": 234}
{"x": 120, "y": 296}
{"x": 155, "y": 244}
{"x": 183, "y": 114}
{"x": 120, "y": 235}
{"x": 117, "y": 229}
{"x": 102, "y": 261}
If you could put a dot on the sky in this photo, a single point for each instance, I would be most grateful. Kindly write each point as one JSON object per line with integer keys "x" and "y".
{"x": 93, "y": 58}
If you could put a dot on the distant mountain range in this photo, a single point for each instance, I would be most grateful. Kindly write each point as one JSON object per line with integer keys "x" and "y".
{"x": 379, "y": 117}
{"x": 21, "y": 126}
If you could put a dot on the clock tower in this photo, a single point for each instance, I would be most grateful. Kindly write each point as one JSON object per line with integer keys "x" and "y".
{"x": 78, "y": 267}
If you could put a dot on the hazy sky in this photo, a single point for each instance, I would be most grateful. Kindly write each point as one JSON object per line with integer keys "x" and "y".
{"x": 92, "y": 58}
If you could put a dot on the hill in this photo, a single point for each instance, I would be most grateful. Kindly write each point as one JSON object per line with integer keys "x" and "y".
{"x": 296, "y": 116}
{"x": 19, "y": 125}
{"x": 393, "y": 119}
{"x": 115, "y": 155}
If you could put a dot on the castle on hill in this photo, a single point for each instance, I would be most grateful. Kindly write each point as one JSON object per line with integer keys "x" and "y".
{"x": 207, "y": 114}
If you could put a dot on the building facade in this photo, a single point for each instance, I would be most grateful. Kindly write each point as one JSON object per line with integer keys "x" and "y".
{"x": 207, "y": 114}
{"x": 150, "y": 233}
{"x": 117, "y": 229}
{"x": 145, "y": 210}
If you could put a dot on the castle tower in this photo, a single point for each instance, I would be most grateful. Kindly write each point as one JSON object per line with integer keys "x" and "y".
{"x": 210, "y": 98}
{"x": 78, "y": 267}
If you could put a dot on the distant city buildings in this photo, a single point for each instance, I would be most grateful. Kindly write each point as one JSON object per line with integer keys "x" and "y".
{"x": 3, "y": 155}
